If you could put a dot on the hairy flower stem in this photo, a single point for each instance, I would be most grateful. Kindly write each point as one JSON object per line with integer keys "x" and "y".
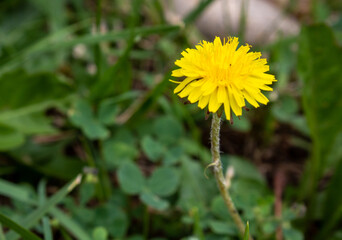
{"x": 215, "y": 152}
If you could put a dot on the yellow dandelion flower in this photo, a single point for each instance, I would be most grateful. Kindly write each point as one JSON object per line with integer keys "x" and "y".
{"x": 219, "y": 74}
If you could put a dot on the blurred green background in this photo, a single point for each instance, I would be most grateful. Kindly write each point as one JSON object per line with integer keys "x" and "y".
{"x": 84, "y": 90}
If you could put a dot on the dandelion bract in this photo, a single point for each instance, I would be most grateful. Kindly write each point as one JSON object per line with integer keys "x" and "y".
{"x": 222, "y": 74}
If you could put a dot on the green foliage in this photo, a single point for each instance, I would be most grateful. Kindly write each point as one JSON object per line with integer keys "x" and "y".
{"x": 10, "y": 138}
{"x": 20, "y": 230}
{"x": 100, "y": 233}
{"x": 131, "y": 179}
{"x": 322, "y": 64}
{"x": 152, "y": 148}
{"x": 82, "y": 116}
{"x": 164, "y": 181}
{"x": 319, "y": 64}
{"x": 246, "y": 235}
{"x": 79, "y": 95}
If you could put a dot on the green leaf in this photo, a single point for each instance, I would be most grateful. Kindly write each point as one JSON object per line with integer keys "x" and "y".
{"x": 16, "y": 192}
{"x": 153, "y": 201}
{"x": 292, "y": 234}
{"x": 49, "y": 159}
{"x": 131, "y": 178}
{"x": 246, "y": 235}
{"x": 164, "y": 181}
{"x": 113, "y": 218}
{"x": 2, "y": 235}
{"x": 195, "y": 189}
{"x": 107, "y": 112}
{"x": 12, "y": 190}
{"x": 59, "y": 41}
{"x": 34, "y": 216}
{"x": 173, "y": 155}
{"x": 86, "y": 192}
{"x": 219, "y": 209}
{"x": 22, "y": 108}
{"x": 223, "y": 227}
{"x": 70, "y": 224}
{"x": 150, "y": 98}
{"x": 120, "y": 148}
{"x": 243, "y": 168}
{"x": 168, "y": 129}
{"x": 320, "y": 68}
{"x": 10, "y": 138}
{"x": 34, "y": 89}
{"x": 27, "y": 235}
{"x": 45, "y": 220}
{"x": 35, "y": 123}
{"x": 82, "y": 116}
{"x": 100, "y": 233}
{"x": 117, "y": 152}
{"x": 196, "y": 12}
{"x": 121, "y": 73}
{"x": 332, "y": 205}
{"x": 285, "y": 108}
{"x": 247, "y": 193}
{"x": 153, "y": 149}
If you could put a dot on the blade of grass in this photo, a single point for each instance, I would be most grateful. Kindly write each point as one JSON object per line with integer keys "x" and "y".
{"x": 2, "y": 235}
{"x": 198, "y": 230}
{"x": 104, "y": 181}
{"x": 243, "y": 20}
{"x": 27, "y": 235}
{"x": 8, "y": 115}
{"x": 45, "y": 220}
{"x": 100, "y": 88}
{"x": 47, "y": 229}
{"x": 34, "y": 217}
{"x": 194, "y": 14}
{"x": 65, "y": 234}
{"x": 97, "y": 48}
{"x": 110, "y": 36}
{"x": 141, "y": 105}
{"x": 246, "y": 235}
{"x": 58, "y": 43}
{"x": 73, "y": 227}
{"x": 14, "y": 60}
{"x": 11, "y": 190}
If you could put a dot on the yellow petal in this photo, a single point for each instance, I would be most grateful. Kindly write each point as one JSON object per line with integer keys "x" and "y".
{"x": 186, "y": 91}
{"x": 203, "y": 102}
{"x": 214, "y": 105}
{"x": 221, "y": 94}
{"x": 261, "y": 98}
{"x": 177, "y": 73}
{"x": 217, "y": 42}
{"x": 198, "y": 83}
{"x": 237, "y": 95}
{"x": 250, "y": 99}
{"x": 266, "y": 88}
{"x": 182, "y": 84}
{"x": 226, "y": 105}
{"x": 235, "y": 107}
{"x": 208, "y": 87}
{"x": 174, "y": 81}
{"x": 195, "y": 94}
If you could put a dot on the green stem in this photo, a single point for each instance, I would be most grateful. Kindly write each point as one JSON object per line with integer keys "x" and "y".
{"x": 98, "y": 31}
{"x": 215, "y": 151}
{"x": 146, "y": 223}
{"x": 2, "y": 235}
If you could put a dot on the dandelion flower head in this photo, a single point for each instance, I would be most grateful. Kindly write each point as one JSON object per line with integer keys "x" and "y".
{"x": 217, "y": 74}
